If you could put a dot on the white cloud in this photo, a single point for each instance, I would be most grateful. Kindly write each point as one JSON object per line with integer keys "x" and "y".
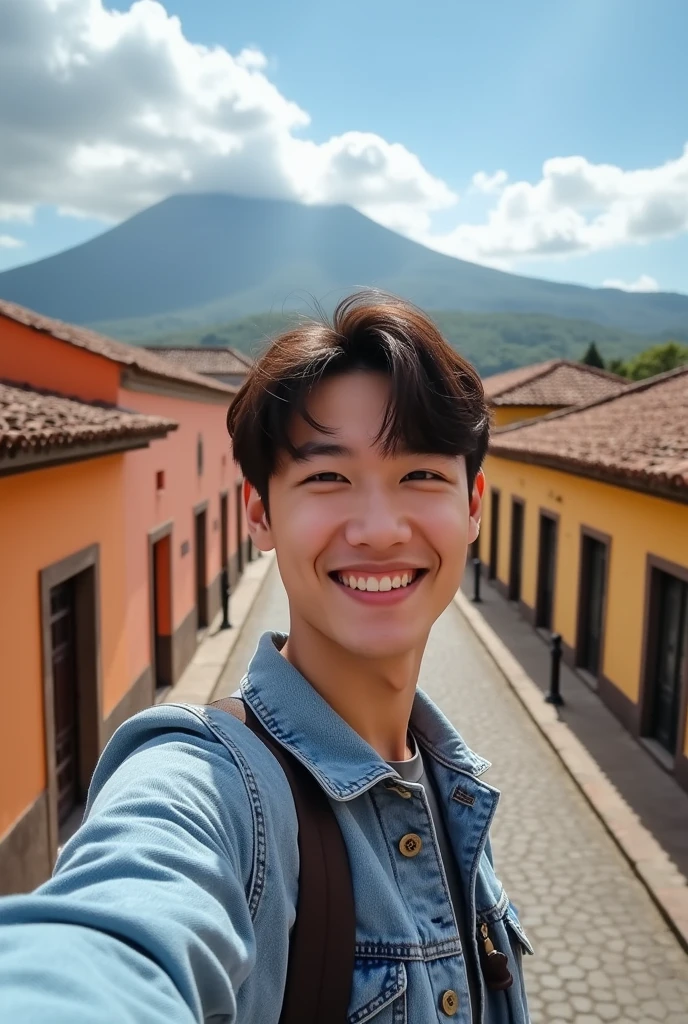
{"x": 8, "y": 242}
{"x": 252, "y": 57}
{"x": 645, "y": 283}
{"x": 576, "y": 207}
{"x": 105, "y": 112}
{"x": 489, "y": 182}
{"x": 14, "y": 211}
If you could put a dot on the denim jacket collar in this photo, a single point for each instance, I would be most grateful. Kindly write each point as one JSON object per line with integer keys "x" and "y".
{"x": 339, "y": 759}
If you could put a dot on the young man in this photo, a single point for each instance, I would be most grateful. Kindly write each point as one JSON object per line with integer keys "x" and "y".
{"x": 361, "y": 445}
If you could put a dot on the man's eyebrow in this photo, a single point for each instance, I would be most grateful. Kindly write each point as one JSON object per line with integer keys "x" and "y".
{"x": 311, "y": 449}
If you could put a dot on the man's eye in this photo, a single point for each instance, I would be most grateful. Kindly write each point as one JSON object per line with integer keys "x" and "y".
{"x": 422, "y": 474}
{"x": 326, "y": 478}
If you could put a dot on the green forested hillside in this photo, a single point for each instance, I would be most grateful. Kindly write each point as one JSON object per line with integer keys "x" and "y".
{"x": 492, "y": 341}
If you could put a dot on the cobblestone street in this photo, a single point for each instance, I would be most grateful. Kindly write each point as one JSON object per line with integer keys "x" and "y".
{"x": 603, "y": 952}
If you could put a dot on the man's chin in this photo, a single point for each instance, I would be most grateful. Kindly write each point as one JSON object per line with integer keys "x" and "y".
{"x": 376, "y": 645}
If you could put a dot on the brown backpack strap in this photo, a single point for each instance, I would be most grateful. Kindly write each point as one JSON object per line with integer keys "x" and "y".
{"x": 321, "y": 954}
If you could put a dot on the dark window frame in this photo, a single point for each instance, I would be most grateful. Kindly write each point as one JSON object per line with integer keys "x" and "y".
{"x": 553, "y": 517}
{"x": 224, "y": 529}
{"x": 202, "y": 608}
{"x": 239, "y": 507}
{"x": 516, "y": 501}
{"x": 493, "y": 555}
{"x": 583, "y": 577}
{"x": 648, "y": 657}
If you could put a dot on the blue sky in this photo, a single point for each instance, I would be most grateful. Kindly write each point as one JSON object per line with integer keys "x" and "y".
{"x": 464, "y": 89}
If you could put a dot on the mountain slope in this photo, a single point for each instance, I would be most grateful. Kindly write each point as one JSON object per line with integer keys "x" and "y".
{"x": 199, "y": 259}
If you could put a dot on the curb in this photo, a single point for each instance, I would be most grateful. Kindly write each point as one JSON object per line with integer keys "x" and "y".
{"x": 199, "y": 680}
{"x": 663, "y": 881}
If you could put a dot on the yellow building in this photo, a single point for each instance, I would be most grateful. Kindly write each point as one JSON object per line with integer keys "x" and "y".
{"x": 586, "y": 528}
{"x": 532, "y": 391}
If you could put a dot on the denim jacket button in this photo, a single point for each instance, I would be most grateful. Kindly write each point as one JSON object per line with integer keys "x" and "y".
{"x": 450, "y": 1002}
{"x": 410, "y": 844}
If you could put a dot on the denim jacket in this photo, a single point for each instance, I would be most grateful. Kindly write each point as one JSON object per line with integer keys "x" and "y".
{"x": 173, "y": 902}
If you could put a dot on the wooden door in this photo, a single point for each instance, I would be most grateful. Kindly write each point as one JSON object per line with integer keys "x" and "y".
{"x": 162, "y": 611}
{"x": 671, "y": 648}
{"x": 64, "y": 670}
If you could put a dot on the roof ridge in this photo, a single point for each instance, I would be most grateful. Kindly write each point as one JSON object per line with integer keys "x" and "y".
{"x": 543, "y": 370}
{"x": 186, "y": 348}
{"x": 242, "y": 356}
{"x": 597, "y": 370}
{"x": 636, "y": 387}
{"x": 98, "y": 344}
{"x": 539, "y": 370}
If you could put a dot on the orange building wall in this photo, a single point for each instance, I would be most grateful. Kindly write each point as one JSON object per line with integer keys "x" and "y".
{"x": 504, "y": 415}
{"x": 146, "y": 509}
{"x": 45, "y": 516}
{"x": 28, "y": 356}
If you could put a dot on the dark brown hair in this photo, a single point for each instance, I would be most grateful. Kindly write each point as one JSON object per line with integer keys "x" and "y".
{"x": 437, "y": 404}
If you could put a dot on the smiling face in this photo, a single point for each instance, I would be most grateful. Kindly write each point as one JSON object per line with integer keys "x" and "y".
{"x": 371, "y": 548}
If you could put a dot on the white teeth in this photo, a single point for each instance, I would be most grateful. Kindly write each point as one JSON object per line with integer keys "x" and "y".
{"x": 372, "y": 584}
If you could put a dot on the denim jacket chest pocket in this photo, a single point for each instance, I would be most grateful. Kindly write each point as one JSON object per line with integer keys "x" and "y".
{"x": 378, "y": 992}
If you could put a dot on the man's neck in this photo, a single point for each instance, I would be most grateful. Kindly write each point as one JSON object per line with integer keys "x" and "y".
{"x": 373, "y": 696}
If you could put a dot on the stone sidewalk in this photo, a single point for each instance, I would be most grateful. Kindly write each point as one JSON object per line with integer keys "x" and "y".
{"x": 652, "y": 793}
{"x": 603, "y": 952}
{"x": 197, "y": 682}
{"x": 640, "y": 804}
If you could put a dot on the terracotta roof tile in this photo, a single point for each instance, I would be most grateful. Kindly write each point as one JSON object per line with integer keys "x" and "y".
{"x": 639, "y": 436}
{"x": 36, "y": 423}
{"x": 117, "y": 351}
{"x": 207, "y": 360}
{"x": 558, "y": 382}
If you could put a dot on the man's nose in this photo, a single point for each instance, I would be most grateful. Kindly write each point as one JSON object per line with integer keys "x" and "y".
{"x": 378, "y": 523}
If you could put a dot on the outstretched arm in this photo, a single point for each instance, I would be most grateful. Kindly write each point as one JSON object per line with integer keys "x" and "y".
{"x": 146, "y": 917}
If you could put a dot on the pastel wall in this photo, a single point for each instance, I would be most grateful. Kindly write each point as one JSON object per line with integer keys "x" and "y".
{"x": 147, "y": 508}
{"x": 504, "y": 415}
{"x": 638, "y": 524}
{"x": 27, "y": 355}
{"x": 45, "y": 516}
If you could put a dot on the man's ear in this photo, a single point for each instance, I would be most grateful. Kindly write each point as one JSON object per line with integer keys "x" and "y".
{"x": 257, "y": 519}
{"x": 475, "y": 507}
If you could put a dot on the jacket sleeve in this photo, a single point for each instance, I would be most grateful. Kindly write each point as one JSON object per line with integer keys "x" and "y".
{"x": 146, "y": 918}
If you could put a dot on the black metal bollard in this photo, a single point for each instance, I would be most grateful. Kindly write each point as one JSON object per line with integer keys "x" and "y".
{"x": 224, "y": 597}
{"x": 477, "y": 599}
{"x": 554, "y": 696}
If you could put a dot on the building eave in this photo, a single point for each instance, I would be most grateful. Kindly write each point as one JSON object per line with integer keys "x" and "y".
{"x": 60, "y": 455}
{"x": 134, "y": 379}
{"x": 642, "y": 484}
